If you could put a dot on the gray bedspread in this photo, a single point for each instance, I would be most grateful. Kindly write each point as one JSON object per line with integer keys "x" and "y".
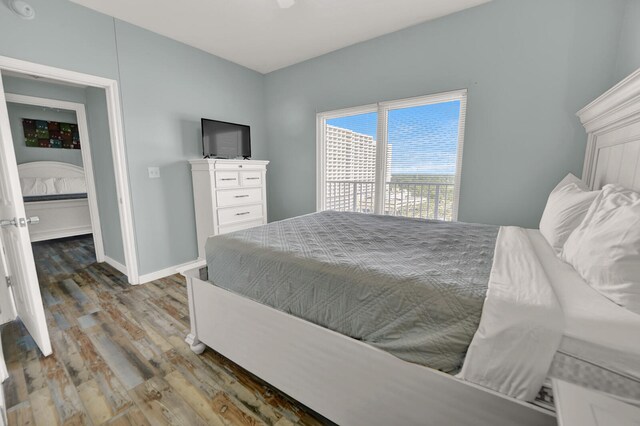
{"x": 411, "y": 287}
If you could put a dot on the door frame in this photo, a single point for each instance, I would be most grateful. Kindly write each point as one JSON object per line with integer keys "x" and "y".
{"x": 118, "y": 151}
{"x": 87, "y": 164}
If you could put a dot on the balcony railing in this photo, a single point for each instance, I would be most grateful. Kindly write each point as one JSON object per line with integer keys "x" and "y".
{"x": 426, "y": 200}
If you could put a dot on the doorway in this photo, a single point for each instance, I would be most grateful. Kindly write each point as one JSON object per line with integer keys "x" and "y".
{"x": 19, "y": 287}
{"x": 117, "y": 151}
{"x": 53, "y": 152}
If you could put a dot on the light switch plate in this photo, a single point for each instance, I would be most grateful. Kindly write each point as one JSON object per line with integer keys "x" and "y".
{"x": 154, "y": 172}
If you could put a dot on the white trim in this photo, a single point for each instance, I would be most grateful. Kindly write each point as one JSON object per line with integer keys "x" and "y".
{"x": 117, "y": 144}
{"x": 612, "y": 123}
{"x": 606, "y": 107}
{"x": 87, "y": 162}
{"x": 383, "y": 108}
{"x": 320, "y": 162}
{"x": 379, "y": 186}
{"x": 117, "y": 265}
{"x": 462, "y": 122}
{"x": 196, "y": 264}
{"x": 337, "y": 113}
{"x": 171, "y": 270}
{"x": 435, "y": 98}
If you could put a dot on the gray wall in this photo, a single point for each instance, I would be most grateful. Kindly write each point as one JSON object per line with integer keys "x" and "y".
{"x": 166, "y": 88}
{"x": 629, "y": 47}
{"x": 528, "y": 65}
{"x": 27, "y": 154}
{"x": 97, "y": 120}
{"x": 103, "y": 172}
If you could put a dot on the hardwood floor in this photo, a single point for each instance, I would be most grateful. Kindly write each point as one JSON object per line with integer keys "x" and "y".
{"x": 120, "y": 358}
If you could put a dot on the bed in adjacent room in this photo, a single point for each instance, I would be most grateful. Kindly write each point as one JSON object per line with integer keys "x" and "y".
{"x": 56, "y": 193}
{"x": 385, "y": 320}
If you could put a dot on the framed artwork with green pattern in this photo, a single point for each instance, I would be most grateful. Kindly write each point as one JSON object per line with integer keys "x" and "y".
{"x": 50, "y": 134}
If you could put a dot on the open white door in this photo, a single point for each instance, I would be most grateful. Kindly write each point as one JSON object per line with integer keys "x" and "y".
{"x": 15, "y": 239}
{"x": 7, "y": 313}
{"x": 7, "y": 309}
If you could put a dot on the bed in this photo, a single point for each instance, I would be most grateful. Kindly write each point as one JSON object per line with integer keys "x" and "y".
{"x": 56, "y": 193}
{"x": 272, "y": 300}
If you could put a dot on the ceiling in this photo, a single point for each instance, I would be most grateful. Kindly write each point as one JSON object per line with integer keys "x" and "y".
{"x": 260, "y": 35}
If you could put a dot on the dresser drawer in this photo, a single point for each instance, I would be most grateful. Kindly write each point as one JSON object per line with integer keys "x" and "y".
{"x": 227, "y": 179}
{"x": 231, "y": 166}
{"x": 235, "y": 197}
{"x": 251, "y": 178}
{"x": 239, "y": 214}
{"x": 239, "y": 226}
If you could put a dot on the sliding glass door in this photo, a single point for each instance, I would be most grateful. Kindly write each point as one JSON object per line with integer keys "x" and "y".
{"x": 399, "y": 158}
{"x": 422, "y": 154}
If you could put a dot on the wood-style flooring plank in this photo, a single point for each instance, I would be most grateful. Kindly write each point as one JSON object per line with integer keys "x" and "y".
{"x": 119, "y": 356}
{"x": 63, "y": 394}
{"x": 161, "y": 405}
{"x": 15, "y": 387}
{"x": 43, "y": 408}
{"x": 95, "y": 402}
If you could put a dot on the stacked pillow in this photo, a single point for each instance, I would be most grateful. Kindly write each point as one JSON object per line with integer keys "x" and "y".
{"x": 598, "y": 233}
{"x": 70, "y": 185}
{"x": 566, "y": 207}
{"x": 37, "y": 186}
{"x": 605, "y": 248}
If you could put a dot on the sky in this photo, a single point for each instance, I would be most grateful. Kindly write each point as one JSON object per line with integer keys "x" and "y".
{"x": 424, "y": 139}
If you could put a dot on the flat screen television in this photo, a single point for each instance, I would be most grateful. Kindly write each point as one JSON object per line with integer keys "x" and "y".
{"x": 225, "y": 140}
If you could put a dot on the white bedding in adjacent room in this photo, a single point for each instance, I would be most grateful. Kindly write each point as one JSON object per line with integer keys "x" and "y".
{"x": 34, "y": 186}
{"x": 56, "y": 193}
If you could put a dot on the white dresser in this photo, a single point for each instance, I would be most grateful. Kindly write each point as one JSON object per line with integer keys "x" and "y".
{"x": 229, "y": 195}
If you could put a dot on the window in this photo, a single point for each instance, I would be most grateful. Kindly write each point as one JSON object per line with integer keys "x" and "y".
{"x": 400, "y": 158}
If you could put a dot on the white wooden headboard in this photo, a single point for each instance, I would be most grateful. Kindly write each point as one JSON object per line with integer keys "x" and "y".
{"x": 49, "y": 169}
{"x": 612, "y": 123}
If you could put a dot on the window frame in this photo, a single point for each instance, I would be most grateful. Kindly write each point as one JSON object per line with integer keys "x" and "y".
{"x": 382, "y": 109}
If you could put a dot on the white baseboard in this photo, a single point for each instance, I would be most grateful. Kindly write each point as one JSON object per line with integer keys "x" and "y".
{"x": 119, "y": 266}
{"x": 198, "y": 263}
{"x": 171, "y": 270}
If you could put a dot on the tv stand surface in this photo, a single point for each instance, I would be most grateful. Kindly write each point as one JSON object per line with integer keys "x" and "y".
{"x": 210, "y": 157}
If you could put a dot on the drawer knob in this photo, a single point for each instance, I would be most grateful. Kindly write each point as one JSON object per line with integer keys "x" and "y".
{"x": 253, "y": 178}
{"x": 242, "y": 214}
{"x": 228, "y": 179}
{"x": 241, "y": 196}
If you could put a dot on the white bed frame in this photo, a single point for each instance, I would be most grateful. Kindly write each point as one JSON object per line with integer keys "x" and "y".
{"x": 59, "y": 218}
{"x": 352, "y": 383}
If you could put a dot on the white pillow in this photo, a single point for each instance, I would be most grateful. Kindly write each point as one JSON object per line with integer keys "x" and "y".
{"x": 570, "y": 178}
{"x": 70, "y": 185}
{"x": 605, "y": 248}
{"x": 566, "y": 206}
{"x": 37, "y": 186}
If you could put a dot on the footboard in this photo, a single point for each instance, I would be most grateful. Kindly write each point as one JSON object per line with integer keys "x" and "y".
{"x": 347, "y": 381}
{"x": 59, "y": 218}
